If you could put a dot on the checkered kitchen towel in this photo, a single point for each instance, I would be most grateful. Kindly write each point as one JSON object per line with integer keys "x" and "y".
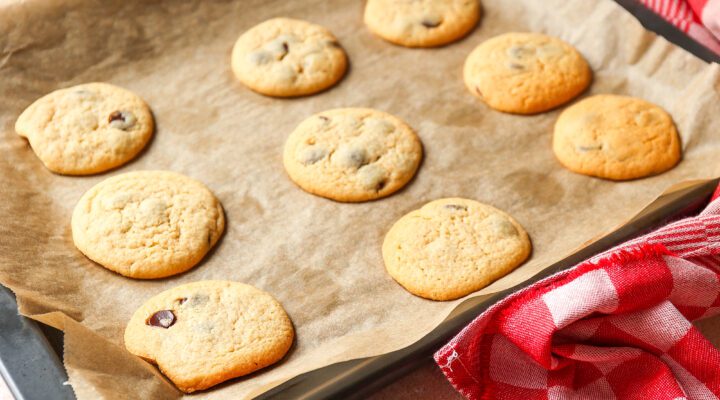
{"x": 699, "y": 19}
{"x": 616, "y": 326}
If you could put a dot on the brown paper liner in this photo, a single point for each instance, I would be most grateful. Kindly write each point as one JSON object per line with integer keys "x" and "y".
{"x": 320, "y": 258}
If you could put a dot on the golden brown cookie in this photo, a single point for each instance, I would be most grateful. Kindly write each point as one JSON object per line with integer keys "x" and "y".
{"x": 352, "y": 154}
{"x": 452, "y": 247}
{"x": 86, "y": 129}
{"x": 203, "y": 333}
{"x": 147, "y": 224}
{"x": 526, "y": 73}
{"x": 286, "y": 57}
{"x": 616, "y": 137}
{"x": 421, "y": 23}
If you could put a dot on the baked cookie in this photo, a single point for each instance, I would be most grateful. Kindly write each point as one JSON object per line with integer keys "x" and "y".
{"x": 285, "y": 57}
{"x": 147, "y": 224}
{"x": 204, "y": 333}
{"x": 352, "y": 154}
{"x": 616, "y": 137}
{"x": 86, "y": 129}
{"x": 452, "y": 247}
{"x": 526, "y": 73}
{"x": 421, "y": 23}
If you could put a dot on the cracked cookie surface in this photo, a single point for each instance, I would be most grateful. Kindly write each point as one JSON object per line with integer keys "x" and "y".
{"x": 452, "y": 247}
{"x": 526, "y": 73}
{"x": 86, "y": 129}
{"x": 286, "y": 57}
{"x": 203, "y": 333}
{"x": 616, "y": 137}
{"x": 352, "y": 154}
{"x": 421, "y": 23}
{"x": 147, "y": 224}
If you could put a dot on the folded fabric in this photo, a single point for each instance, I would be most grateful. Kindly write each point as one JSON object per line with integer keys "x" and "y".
{"x": 617, "y": 326}
{"x": 699, "y": 19}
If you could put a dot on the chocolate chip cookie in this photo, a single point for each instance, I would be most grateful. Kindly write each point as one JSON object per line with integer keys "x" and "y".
{"x": 286, "y": 57}
{"x": 147, "y": 224}
{"x": 86, "y": 129}
{"x": 452, "y": 247}
{"x": 616, "y": 137}
{"x": 203, "y": 333}
{"x": 421, "y": 23}
{"x": 526, "y": 73}
{"x": 352, "y": 154}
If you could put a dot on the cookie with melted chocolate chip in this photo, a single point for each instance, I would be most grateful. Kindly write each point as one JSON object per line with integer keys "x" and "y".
{"x": 86, "y": 129}
{"x": 452, "y": 247}
{"x": 147, "y": 224}
{"x": 352, "y": 154}
{"x": 286, "y": 57}
{"x": 203, "y": 333}
{"x": 526, "y": 73}
{"x": 421, "y": 23}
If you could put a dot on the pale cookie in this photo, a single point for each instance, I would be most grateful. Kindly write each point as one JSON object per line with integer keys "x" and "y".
{"x": 352, "y": 154}
{"x": 147, "y": 224}
{"x": 421, "y": 23}
{"x": 526, "y": 73}
{"x": 616, "y": 137}
{"x": 86, "y": 129}
{"x": 203, "y": 333}
{"x": 452, "y": 247}
{"x": 287, "y": 57}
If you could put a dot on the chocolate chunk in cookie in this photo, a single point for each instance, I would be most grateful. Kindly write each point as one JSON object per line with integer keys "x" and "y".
{"x": 204, "y": 333}
{"x": 352, "y": 154}
{"x": 287, "y": 57}
{"x": 86, "y": 129}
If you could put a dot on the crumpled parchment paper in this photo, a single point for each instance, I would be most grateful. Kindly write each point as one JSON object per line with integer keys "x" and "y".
{"x": 320, "y": 258}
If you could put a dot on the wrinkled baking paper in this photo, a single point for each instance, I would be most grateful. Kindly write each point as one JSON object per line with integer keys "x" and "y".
{"x": 320, "y": 258}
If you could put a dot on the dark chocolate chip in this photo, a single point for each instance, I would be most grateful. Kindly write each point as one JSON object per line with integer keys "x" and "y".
{"x": 286, "y": 49}
{"x": 121, "y": 120}
{"x": 181, "y": 300}
{"x": 590, "y": 148}
{"x": 162, "y": 319}
{"x": 324, "y": 118}
{"x": 116, "y": 116}
{"x": 380, "y": 185}
{"x": 430, "y": 24}
{"x": 455, "y": 207}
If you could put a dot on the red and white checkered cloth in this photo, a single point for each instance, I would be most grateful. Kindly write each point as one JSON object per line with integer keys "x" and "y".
{"x": 617, "y": 326}
{"x": 699, "y": 19}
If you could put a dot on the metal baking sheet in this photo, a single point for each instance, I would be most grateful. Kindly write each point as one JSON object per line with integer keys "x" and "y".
{"x": 355, "y": 379}
{"x": 29, "y": 364}
{"x": 33, "y": 369}
{"x": 657, "y": 24}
